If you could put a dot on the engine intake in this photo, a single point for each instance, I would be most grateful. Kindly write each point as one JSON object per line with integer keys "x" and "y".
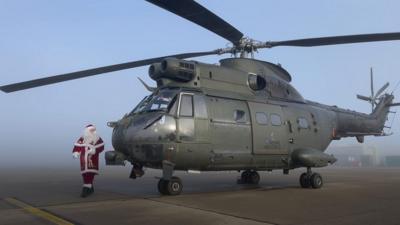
{"x": 174, "y": 69}
{"x": 256, "y": 82}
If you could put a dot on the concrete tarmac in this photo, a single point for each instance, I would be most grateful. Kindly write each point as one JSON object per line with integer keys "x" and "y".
{"x": 349, "y": 196}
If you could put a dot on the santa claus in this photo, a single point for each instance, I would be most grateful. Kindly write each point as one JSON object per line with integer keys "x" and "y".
{"x": 87, "y": 148}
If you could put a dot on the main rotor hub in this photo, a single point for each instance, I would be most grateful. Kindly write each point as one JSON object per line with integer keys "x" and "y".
{"x": 245, "y": 47}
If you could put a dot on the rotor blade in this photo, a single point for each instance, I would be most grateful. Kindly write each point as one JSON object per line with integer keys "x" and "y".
{"x": 199, "y": 15}
{"x": 335, "y": 40}
{"x": 394, "y": 104}
{"x": 379, "y": 92}
{"x": 372, "y": 82}
{"x": 95, "y": 71}
{"x": 362, "y": 97}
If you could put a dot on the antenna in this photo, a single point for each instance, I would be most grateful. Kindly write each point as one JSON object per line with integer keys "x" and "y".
{"x": 372, "y": 87}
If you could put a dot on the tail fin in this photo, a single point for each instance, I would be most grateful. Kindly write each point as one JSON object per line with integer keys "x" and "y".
{"x": 380, "y": 114}
{"x": 382, "y": 108}
{"x": 354, "y": 124}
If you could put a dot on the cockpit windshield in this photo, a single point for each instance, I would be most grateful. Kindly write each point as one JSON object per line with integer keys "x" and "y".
{"x": 159, "y": 101}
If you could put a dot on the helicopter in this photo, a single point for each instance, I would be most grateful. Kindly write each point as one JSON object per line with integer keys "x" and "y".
{"x": 240, "y": 115}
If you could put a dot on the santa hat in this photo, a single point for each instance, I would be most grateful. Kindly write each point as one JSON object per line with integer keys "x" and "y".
{"x": 90, "y": 127}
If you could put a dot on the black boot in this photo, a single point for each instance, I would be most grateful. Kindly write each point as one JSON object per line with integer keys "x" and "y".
{"x": 85, "y": 192}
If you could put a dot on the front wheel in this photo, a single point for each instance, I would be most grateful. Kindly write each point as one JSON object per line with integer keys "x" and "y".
{"x": 162, "y": 186}
{"x": 316, "y": 181}
{"x": 170, "y": 187}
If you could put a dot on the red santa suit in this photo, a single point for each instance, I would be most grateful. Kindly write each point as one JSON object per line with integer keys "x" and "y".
{"x": 88, "y": 150}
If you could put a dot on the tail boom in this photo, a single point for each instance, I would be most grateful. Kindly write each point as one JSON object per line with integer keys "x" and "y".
{"x": 355, "y": 124}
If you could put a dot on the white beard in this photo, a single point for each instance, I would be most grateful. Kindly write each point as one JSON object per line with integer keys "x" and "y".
{"x": 90, "y": 137}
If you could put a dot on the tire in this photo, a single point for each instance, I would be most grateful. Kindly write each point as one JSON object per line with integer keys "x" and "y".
{"x": 162, "y": 186}
{"x": 253, "y": 178}
{"x": 316, "y": 181}
{"x": 304, "y": 181}
{"x": 174, "y": 186}
{"x": 245, "y": 177}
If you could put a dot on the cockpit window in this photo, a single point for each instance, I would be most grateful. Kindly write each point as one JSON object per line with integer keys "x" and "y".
{"x": 159, "y": 101}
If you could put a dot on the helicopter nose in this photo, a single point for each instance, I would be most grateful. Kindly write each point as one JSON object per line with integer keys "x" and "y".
{"x": 144, "y": 138}
{"x": 118, "y": 138}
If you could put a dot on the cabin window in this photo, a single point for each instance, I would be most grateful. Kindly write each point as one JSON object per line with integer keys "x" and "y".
{"x": 239, "y": 116}
{"x": 200, "y": 108}
{"x": 303, "y": 123}
{"x": 261, "y": 118}
{"x": 186, "y": 105}
{"x": 276, "y": 119}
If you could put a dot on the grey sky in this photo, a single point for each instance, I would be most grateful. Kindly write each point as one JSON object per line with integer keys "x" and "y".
{"x": 43, "y": 37}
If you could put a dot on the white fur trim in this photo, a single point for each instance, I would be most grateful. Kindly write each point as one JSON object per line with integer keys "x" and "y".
{"x": 86, "y": 159}
{"x": 80, "y": 145}
{"x": 87, "y": 185}
{"x": 90, "y": 171}
{"x": 89, "y": 151}
{"x": 99, "y": 145}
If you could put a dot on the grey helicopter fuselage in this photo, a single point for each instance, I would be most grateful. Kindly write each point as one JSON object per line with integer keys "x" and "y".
{"x": 240, "y": 115}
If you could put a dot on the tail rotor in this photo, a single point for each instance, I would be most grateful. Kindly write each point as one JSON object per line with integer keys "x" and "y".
{"x": 372, "y": 99}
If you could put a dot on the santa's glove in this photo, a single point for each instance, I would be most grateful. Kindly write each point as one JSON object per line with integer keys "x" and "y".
{"x": 75, "y": 155}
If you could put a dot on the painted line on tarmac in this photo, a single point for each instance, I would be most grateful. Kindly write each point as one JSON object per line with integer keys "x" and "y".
{"x": 38, "y": 212}
{"x": 158, "y": 200}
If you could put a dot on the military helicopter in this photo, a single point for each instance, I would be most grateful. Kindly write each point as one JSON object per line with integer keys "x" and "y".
{"x": 242, "y": 114}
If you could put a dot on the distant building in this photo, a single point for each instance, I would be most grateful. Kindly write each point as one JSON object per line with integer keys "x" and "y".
{"x": 392, "y": 160}
{"x": 355, "y": 156}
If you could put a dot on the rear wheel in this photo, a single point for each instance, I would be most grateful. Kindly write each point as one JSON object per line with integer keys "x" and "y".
{"x": 304, "y": 180}
{"x": 254, "y": 177}
{"x": 249, "y": 177}
{"x": 245, "y": 177}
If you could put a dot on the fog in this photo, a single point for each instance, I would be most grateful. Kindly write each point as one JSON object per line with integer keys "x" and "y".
{"x": 42, "y": 38}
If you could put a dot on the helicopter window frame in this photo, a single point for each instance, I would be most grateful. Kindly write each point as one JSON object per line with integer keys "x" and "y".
{"x": 200, "y": 106}
{"x": 172, "y": 107}
{"x": 276, "y": 119}
{"x": 181, "y": 96}
{"x": 261, "y": 118}
{"x": 140, "y": 104}
{"x": 148, "y": 102}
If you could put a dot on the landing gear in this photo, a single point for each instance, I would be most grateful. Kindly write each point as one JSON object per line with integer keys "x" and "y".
{"x": 249, "y": 177}
{"x": 168, "y": 184}
{"x": 304, "y": 180}
{"x": 170, "y": 187}
{"x": 316, "y": 181}
{"x": 137, "y": 171}
{"x": 311, "y": 179}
